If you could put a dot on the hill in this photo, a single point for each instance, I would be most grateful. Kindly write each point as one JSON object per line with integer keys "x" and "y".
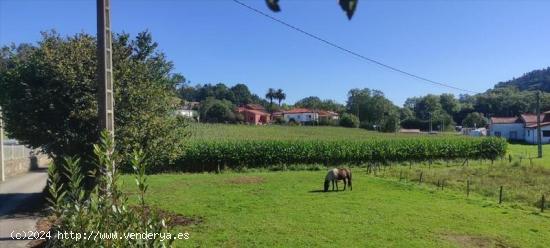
{"x": 534, "y": 80}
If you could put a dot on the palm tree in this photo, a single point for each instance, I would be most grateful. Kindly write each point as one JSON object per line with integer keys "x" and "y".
{"x": 280, "y": 96}
{"x": 271, "y": 94}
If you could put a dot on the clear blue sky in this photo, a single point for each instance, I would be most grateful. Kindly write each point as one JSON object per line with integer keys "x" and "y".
{"x": 469, "y": 44}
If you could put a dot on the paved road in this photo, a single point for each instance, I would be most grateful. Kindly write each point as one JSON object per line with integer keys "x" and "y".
{"x": 20, "y": 198}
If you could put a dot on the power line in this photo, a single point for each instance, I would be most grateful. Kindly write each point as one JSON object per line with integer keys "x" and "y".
{"x": 349, "y": 51}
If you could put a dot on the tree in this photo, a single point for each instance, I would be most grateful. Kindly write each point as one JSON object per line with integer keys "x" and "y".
{"x": 270, "y": 95}
{"x": 371, "y": 106}
{"x": 50, "y": 98}
{"x": 449, "y": 103}
{"x": 313, "y": 102}
{"x": 405, "y": 114}
{"x": 426, "y": 106}
{"x": 280, "y": 96}
{"x": 214, "y": 110}
{"x": 241, "y": 94}
{"x": 347, "y": 6}
{"x": 349, "y": 120}
{"x": 474, "y": 119}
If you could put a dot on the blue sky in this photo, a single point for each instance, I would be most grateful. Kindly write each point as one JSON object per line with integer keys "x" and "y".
{"x": 469, "y": 44}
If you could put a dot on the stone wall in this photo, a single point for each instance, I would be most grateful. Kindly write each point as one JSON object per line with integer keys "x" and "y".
{"x": 19, "y": 160}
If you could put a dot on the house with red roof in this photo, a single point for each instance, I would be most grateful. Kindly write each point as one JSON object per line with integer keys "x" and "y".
{"x": 300, "y": 115}
{"x": 521, "y": 128}
{"x": 254, "y": 114}
{"x": 303, "y": 115}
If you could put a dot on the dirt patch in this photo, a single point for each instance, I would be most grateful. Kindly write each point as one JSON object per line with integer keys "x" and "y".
{"x": 172, "y": 219}
{"x": 469, "y": 241}
{"x": 245, "y": 180}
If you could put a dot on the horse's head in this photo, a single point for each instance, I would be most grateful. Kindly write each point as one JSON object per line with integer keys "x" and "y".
{"x": 326, "y": 185}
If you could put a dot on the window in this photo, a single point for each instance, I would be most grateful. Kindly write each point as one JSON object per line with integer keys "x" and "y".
{"x": 545, "y": 133}
{"x": 528, "y": 132}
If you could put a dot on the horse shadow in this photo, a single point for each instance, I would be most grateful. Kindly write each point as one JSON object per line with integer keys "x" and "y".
{"x": 322, "y": 191}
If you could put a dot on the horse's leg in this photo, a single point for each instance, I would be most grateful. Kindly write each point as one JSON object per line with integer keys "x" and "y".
{"x": 336, "y": 184}
{"x": 344, "y": 183}
{"x": 332, "y": 184}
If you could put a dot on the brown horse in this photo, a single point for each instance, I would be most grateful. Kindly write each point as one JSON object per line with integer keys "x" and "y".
{"x": 336, "y": 174}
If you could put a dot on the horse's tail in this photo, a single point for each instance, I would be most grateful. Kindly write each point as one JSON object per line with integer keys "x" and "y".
{"x": 349, "y": 180}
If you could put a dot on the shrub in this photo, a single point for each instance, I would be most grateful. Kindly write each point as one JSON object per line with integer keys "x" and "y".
{"x": 349, "y": 120}
{"x": 106, "y": 210}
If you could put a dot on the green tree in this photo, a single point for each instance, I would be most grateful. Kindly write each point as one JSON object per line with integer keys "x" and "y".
{"x": 270, "y": 95}
{"x": 241, "y": 94}
{"x": 349, "y": 120}
{"x": 371, "y": 106}
{"x": 449, "y": 103}
{"x": 474, "y": 119}
{"x": 280, "y": 96}
{"x": 214, "y": 110}
{"x": 50, "y": 98}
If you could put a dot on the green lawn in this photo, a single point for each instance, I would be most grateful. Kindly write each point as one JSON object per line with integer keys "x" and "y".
{"x": 284, "y": 209}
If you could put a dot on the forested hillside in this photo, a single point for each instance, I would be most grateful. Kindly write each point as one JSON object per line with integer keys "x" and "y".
{"x": 534, "y": 80}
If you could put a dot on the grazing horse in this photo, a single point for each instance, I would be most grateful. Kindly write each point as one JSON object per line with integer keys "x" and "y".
{"x": 336, "y": 174}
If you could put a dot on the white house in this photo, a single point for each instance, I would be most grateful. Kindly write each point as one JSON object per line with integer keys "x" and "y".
{"x": 522, "y": 128}
{"x": 189, "y": 110}
{"x": 300, "y": 115}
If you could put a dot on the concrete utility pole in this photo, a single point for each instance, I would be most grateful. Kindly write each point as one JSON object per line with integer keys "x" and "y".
{"x": 2, "y": 168}
{"x": 539, "y": 135}
{"x": 105, "y": 66}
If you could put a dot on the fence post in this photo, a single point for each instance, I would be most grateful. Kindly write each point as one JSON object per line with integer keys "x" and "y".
{"x": 420, "y": 179}
{"x": 542, "y": 203}
{"x": 400, "y": 175}
{"x": 500, "y": 196}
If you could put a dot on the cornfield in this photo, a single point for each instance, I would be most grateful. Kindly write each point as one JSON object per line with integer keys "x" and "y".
{"x": 208, "y": 155}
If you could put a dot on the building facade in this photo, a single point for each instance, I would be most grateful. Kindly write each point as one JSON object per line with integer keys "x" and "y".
{"x": 522, "y": 128}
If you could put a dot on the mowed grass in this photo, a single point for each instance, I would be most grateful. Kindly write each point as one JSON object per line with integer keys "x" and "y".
{"x": 286, "y": 209}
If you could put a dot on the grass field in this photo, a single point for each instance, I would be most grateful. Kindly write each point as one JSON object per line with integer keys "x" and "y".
{"x": 286, "y": 209}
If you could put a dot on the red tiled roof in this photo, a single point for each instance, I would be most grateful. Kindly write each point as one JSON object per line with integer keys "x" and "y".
{"x": 256, "y": 112}
{"x": 504, "y": 120}
{"x": 327, "y": 113}
{"x": 254, "y": 106}
{"x": 534, "y": 125}
{"x": 298, "y": 111}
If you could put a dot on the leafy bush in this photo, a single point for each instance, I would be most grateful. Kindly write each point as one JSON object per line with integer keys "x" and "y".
{"x": 349, "y": 120}
{"x": 106, "y": 210}
{"x": 211, "y": 155}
